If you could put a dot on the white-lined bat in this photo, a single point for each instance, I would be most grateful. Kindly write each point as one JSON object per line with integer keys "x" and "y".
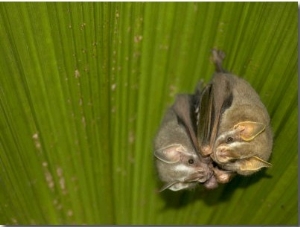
{"x": 175, "y": 149}
{"x": 234, "y": 125}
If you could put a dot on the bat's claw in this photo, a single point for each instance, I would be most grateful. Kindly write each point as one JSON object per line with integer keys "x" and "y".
{"x": 217, "y": 58}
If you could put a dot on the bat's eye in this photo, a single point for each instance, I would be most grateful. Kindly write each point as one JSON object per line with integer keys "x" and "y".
{"x": 191, "y": 161}
{"x": 229, "y": 140}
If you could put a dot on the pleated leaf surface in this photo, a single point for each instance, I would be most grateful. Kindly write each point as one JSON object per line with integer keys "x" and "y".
{"x": 83, "y": 89}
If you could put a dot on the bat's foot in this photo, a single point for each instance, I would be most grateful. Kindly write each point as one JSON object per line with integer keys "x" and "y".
{"x": 217, "y": 58}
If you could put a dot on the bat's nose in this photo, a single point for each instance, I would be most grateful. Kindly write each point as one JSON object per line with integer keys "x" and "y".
{"x": 221, "y": 154}
{"x": 204, "y": 174}
{"x": 200, "y": 175}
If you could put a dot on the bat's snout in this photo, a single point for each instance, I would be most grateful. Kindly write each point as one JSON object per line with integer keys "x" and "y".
{"x": 223, "y": 154}
{"x": 201, "y": 175}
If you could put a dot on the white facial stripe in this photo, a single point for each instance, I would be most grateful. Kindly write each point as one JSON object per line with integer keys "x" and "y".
{"x": 236, "y": 144}
{"x": 222, "y": 137}
{"x": 182, "y": 168}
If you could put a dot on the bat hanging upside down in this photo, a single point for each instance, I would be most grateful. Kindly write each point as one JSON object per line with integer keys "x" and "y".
{"x": 210, "y": 136}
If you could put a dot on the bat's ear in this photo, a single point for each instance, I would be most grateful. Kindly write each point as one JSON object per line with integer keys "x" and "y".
{"x": 179, "y": 186}
{"x": 249, "y": 129}
{"x": 253, "y": 164}
{"x": 170, "y": 154}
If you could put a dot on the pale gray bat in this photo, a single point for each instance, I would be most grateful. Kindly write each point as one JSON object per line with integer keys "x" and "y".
{"x": 238, "y": 135}
{"x": 175, "y": 149}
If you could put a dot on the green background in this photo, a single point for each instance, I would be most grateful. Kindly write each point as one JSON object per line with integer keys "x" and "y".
{"x": 83, "y": 88}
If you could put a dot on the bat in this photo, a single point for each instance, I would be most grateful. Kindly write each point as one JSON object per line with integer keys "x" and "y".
{"x": 175, "y": 149}
{"x": 233, "y": 126}
{"x": 209, "y": 137}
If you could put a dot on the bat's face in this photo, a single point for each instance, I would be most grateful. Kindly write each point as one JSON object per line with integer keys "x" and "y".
{"x": 228, "y": 147}
{"x": 242, "y": 148}
{"x": 180, "y": 168}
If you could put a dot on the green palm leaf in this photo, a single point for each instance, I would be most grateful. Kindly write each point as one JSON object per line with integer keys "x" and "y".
{"x": 83, "y": 88}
